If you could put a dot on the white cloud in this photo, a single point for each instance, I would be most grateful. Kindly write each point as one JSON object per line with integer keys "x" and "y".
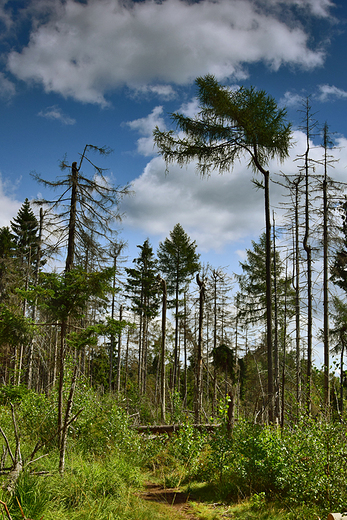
{"x": 327, "y": 92}
{"x": 214, "y": 211}
{"x": 85, "y": 49}
{"x": 291, "y": 99}
{"x": 7, "y": 88}
{"x": 8, "y": 205}
{"x": 166, "y": 92}
{"x": 218, "y": 211}
{"x": 320, "y": 8}
{"x": 145, "y": 126}
{"x": 55, "y": 113}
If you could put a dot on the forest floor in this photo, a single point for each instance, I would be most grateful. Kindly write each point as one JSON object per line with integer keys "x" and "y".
{"x": 175, "y": 504}
{"x": 174, "y": 501}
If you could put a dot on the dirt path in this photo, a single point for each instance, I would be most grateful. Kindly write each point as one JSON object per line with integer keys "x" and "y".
{"x": 172, "y": 498}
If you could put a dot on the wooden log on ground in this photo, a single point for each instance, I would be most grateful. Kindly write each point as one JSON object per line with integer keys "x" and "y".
{"x": 172, "y": 428}
{"x": 337, "y": 516}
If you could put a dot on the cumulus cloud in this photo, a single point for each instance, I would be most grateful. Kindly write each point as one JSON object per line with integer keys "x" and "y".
{"x": 214, "y": 211}
{"x": 217, "y": 211}
{"x": 7, "y": 88}
{"x": 9, "y": 206}
{"x": 291, "y": 99}
{"x": 55, "y": 113}
{"x": 84, "y": 49}
{"x": 166, "y": 92}
{"x": 145, "y": 126}
{"x": 328, "y": 92}
{"x": 320, "y": 8}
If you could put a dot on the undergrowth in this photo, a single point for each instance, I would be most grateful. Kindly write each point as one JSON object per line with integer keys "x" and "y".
{"x": 298, "y": 470}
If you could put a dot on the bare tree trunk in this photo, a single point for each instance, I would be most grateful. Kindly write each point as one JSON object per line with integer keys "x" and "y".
{"x": 110, "y": 371}
{"x": 72, "y": 220}
{"x": 163, "y": 350}
{"x": 214, "y": 400}
{"x": 276, "y": 356}
{"x": 175, "y": 365}
{"x": 198, "y": 391}
{"x": 119, "y": 350}
{"x": 64, "y": 426}
{"x": 284, "y": 350}
{"x": 341, "y": 378}
{"x": 36, "y": 280}
{"x": 270, "y": 376}
{"x": 297, "y": 299}
{"x": 55, "y": 355}
{"x": 126, "y": 362}
{"x": 185, "y": 352}
{"x": 326, "y": 276}
{"x": 61, "y": 380}
{"x": 308, "y": 250}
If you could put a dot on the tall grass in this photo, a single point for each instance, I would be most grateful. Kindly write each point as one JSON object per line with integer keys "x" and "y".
{"x": 302, "y": 466}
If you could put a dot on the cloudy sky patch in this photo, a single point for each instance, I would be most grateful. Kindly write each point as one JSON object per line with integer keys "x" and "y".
{"x": 56, "y": 114}
{"x": 84, "y": 50}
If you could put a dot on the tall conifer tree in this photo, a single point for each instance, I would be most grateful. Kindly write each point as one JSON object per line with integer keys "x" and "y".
{"x": 142, "y": 287}
{"x": 25, "y": 232}
{"x": 178, "y": 261}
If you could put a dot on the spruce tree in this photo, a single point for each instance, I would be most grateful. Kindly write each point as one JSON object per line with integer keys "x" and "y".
{"x": 178, "y": 261}
{"x": 142, "y": 288}
{"x": 25, "y": 232}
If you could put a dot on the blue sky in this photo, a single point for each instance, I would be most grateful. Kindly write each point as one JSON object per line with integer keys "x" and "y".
{"x": 105, "y": 72}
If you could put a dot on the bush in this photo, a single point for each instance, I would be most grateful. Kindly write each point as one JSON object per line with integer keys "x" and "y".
{"x": 303, "y": 464}
{"x": 102, "y": 427}
{"x": 12, "y": 394}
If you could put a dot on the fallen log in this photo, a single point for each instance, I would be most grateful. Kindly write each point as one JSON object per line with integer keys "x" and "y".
{"x": 337, "y": 516}
{"x": 173, "y": 428}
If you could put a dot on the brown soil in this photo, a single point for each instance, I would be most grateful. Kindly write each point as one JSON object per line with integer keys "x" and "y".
{"x": 172, "y": 498}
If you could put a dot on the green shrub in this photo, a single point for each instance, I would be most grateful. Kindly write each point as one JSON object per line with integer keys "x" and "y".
{"x": 102, "y": 427}
{"x": 12, "y": 394}
{"x": 37, "y": 416}
{"x": 304, "y": 464}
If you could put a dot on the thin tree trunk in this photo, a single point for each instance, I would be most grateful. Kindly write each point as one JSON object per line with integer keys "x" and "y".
{"x": 110, "y": 372}
{"x": 284, "y": 350}
{"x": 119, "y": 350}
{"x": 326, "y": 277}
{"x": 72, "y": 220}
{"x": 276, "y": 356}
{"x": 175, "y": 366}
{"x": 270, "y": 377}
{"x": 126, "y": 362}
{"x": 61, "y": 380}
{"x": 163, "y": 350}
{"x": 185, "y": 353}
{"x": 214, "y": 401}
{"x": 308, "y": 251}
{"x": 198, "y": 392}
{"x": 341, "y": 379}
{"x": 297, "y": 299}
{"x": 64, "y": 431}
{"x": 36, "y": 281}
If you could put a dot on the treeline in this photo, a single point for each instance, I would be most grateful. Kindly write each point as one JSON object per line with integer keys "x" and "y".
{"x": 170, "y": 337}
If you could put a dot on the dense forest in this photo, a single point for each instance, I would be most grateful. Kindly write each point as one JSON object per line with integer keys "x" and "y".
{"x": 94, "y": 346}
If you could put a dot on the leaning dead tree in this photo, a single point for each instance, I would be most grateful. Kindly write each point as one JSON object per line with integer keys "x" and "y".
{"x": 17, "y": 463}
